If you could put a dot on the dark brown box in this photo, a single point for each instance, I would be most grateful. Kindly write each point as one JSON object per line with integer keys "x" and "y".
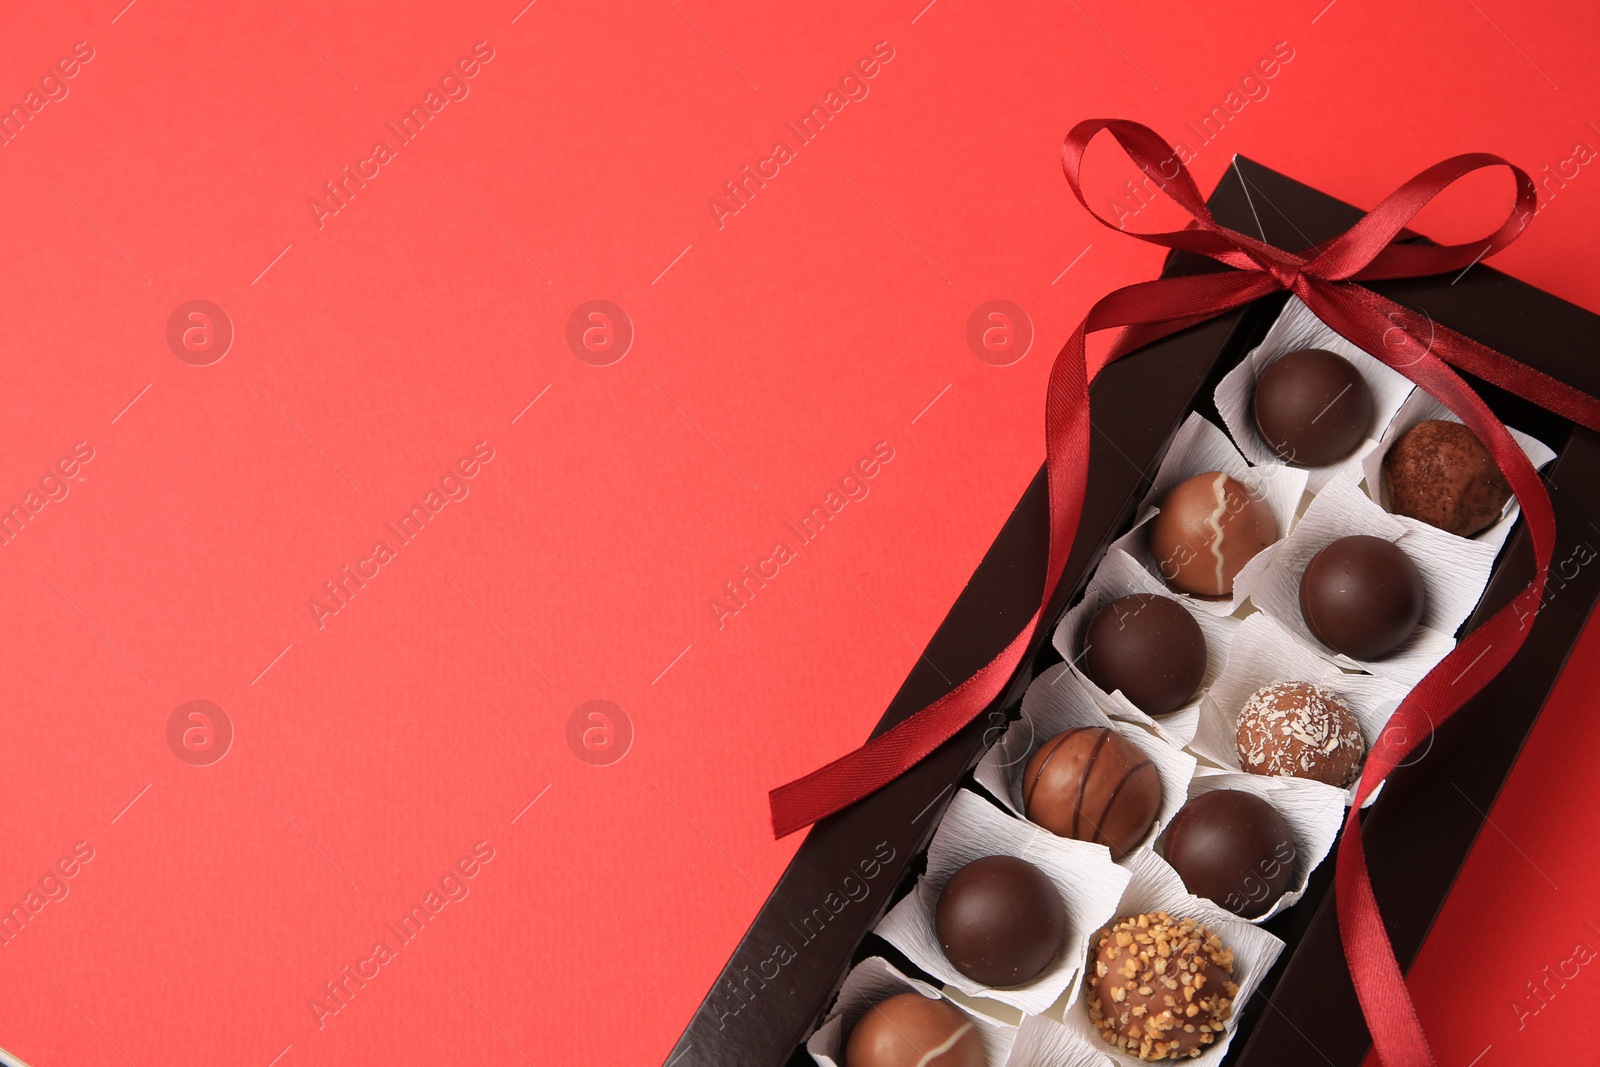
{"x": 1419, "y": 831}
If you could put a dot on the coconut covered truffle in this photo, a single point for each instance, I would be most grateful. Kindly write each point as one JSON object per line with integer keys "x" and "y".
{"x": 1300, "y": 730}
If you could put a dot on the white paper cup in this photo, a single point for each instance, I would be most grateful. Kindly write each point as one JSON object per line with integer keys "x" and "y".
{"x": 1089, "y": 883}
{"x": 1043, "y": 1042}
{"x": 1420, "y": 408}
{"x": 1119, "y": 575}
{"x": 1297, "y": 328}
{"x": 1313, "y": 811}
{"x": 1265, "y": 653}
{"x": 1199, "y": 447}
{"x": 1454, "y": 572}
{"x": 1057, "y": 701}
{"x": 1157, "y": 887}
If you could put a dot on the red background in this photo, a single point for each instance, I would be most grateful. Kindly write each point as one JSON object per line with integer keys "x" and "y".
{"x": 770, "y": 354}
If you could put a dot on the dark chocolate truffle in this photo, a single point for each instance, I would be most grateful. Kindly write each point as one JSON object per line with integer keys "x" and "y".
{"x": 1439, "y": 472}
{"x": 1362, "y": 596}
{"x": 1209, "y": 527}
{"x": 1000, "y": 921}
{"x": 1092, "y": 784}
{"x": 1149, "y": 647}
{"x": 1232, "y": 847}
{"x": 1300, "y": 730}
{"x": 1312, "y": 407}
{"x": 1160, "y": 988}
{"x": 911, "y": 1030}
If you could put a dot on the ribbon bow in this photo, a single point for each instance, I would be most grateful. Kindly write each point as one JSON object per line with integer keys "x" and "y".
{"x": 1326, "y": 279}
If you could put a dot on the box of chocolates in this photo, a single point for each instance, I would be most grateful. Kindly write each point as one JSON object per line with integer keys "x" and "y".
{"x": 1129, "y": 856}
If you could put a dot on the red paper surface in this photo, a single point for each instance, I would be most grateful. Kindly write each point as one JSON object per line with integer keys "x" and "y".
{"x": 371, "y": 755}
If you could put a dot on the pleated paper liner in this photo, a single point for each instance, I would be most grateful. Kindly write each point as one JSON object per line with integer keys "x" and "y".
{"x": 1156, "y": 887}
{"x": 1420, "y": 408}
{"x": 1119, "y": 575}
{"x": 1057, "y": 701}
{"x": 1198, "y": 447}
{"x": 1454, "y": 572}
{"x": 1265, "y": 653}
{"x": 1297, "y": 328}
{"x": 1314, "y": 813}
{"x": 1089, "y": 883}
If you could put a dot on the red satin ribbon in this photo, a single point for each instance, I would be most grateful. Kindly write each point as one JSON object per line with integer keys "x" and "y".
{"x": 1412, "y": 344}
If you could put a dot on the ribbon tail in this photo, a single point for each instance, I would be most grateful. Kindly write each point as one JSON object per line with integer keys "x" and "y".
{"x": 1479, "y": 360}
{"x": 1361, "y": 317}
{"x": 1158, "y": 307}
{"x": 857, "y": 774}
{"x": 867, "y": 769}
{"x": 1396, "y": 1031}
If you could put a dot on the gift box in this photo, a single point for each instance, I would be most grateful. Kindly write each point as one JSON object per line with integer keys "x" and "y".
{"x": 782, "y": 982}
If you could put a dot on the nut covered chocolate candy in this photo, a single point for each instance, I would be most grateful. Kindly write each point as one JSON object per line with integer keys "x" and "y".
{"x": 1000, "y": 921}
{"x": 1312, "y": 407}
{"x": 1300, "y": 730}
{"x": 911, "y": 1030}
{"x": 1362, "y": 596}
{"x": 1092, "y": 784}
{"x": 1149, "y": 647}
{"x": 1209, "y": 527}
{"x": 1160, "y": 988}
{"x": 1232, "y": 847}
{"x": 1439, "y": 472}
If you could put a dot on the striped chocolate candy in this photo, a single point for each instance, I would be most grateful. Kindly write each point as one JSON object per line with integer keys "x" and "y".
{"x": 1091, "y": 784}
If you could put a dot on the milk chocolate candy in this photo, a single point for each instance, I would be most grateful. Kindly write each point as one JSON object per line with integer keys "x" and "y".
{"x": 1208, "y": 528}
{"x": 1092, "y": 784}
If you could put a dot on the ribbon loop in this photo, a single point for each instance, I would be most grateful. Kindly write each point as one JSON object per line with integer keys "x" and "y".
{"x": 1365, "y": 251}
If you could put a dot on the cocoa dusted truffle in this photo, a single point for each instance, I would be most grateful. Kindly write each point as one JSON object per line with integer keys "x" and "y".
{"x": 1232, "y": 847}
{"x": 1209, "y": 527}
{"x": 1362, "y": 596}
{"x": 1312, "y": 407}
{"x": 1300, "y": 730}
{"x": 1000, "y": 921}
{"x": 1439, "y": 472}
{"x": 1092, "y": 784}
{"x": 1149, "y": 647}
{"x": 911, "y": 1030}
{"x": 1160, "y": 988}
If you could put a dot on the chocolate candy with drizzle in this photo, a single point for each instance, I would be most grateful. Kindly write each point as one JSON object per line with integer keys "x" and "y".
{"x": 911, "y": 1030}
{"x": 1208, "y": 528}
{"x": 1092, "y": 784}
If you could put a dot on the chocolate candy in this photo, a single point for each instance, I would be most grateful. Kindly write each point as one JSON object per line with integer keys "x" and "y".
{"x": 1439, "y": 472}
{"x": 1092, "y": 784}
{"x": 1362, "y": 596}
{"x": 1232, "y": 847}
{"x": 1312, "y": 407}
{"x": 1000, "y": 921}
{"x": 911, "y": 1030}
{"x": 1160, "y": 988}
{"x": 1149, "y": 647}
{"x": 1299, "y": 730}
{"x": 1209, "y": 527}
